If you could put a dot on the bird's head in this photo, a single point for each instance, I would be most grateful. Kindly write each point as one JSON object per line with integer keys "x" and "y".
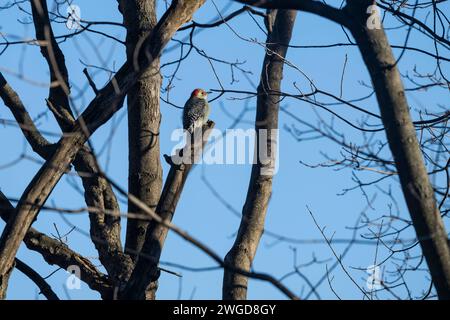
{"x": 200, "y": 93}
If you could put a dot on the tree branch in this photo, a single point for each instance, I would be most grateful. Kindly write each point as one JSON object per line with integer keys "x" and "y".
{"x": 59, "y": 93}
{"x": 57, "y": 253}
{"x": 105, "y": 229}
{"x": 45, "y": 288}
{"x": 312, "y": 6}
{"x": 146, "y": 270}
{"x": 38, "y": 143}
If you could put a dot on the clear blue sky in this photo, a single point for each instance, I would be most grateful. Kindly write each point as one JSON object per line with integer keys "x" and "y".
{"x": 199, "y": 211}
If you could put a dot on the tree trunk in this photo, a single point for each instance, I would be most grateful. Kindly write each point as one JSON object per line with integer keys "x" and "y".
{"x": 144, "y": 165}
{"x": 401, "y": 135}
{"x": 279, "y": 25}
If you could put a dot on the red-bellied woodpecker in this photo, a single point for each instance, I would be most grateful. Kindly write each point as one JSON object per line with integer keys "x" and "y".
{"x": 196, "y": 110}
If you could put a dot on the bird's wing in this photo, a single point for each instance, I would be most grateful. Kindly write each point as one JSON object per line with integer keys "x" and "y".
{"x": 193, "y": 117}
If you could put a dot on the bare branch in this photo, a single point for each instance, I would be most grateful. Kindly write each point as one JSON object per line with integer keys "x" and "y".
{"x": 57, "y": 253}
{"x": 318, "y": 7}
{"x": 58, "y": 95}
{"x": 45, "y": 288}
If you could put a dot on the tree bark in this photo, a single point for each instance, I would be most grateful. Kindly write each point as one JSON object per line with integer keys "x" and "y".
{"x": 242, "y": 253}
{"x": 401, "y": 135}
{"x": 144, "y": 164}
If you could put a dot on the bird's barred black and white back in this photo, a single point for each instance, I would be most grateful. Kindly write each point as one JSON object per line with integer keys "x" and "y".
{"x": 195, "y": 113}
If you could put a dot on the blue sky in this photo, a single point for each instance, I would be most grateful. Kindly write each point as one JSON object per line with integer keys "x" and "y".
{"x": 199, "y": 211}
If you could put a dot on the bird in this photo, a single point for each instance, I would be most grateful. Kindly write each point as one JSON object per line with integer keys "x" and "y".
{"x": 196, "y": 110}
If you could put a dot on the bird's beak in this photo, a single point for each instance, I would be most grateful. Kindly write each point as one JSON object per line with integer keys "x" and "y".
{"x": 209, "y": 92}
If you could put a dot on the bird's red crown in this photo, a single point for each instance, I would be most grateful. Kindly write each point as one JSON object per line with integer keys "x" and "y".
{"x": 199, "y": 93}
